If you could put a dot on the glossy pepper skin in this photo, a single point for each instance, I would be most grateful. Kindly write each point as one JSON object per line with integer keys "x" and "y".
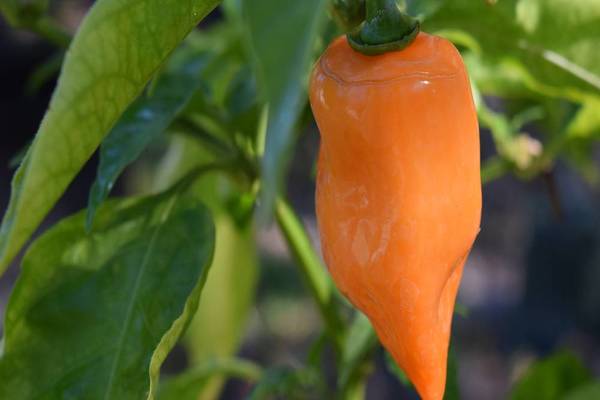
{"x": 398, "y": 192}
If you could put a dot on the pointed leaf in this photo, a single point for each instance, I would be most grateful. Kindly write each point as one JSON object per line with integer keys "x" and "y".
{"x": 144, "y": 121}
{"x": 282, "y": 37}
{"x": 119, "y": 46}
{"x": 94, "y": 315}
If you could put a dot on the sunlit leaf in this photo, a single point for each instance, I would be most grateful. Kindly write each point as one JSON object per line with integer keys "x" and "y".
{"x": 531, "y": 37}
{"x": 586, "y": 122}
{"x": 118, "y": 48}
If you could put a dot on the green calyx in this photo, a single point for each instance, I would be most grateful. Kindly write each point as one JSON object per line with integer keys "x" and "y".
{"x": 386, "y": 28}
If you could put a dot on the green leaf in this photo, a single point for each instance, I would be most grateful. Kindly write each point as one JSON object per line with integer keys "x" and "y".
{"x": 282, "y": 36}
{"x": 187, "y": 385}
{"x": 94, "y": 315}
{"x": 551, "y": 378}
{"x": 216, "y": 332}
{"x": 145, "y": 120}
{"x": 118, "y": 48}
{"x": 586, "y": 123}
{"x": 227, "y": 107}
{"x": 552, "y": 43}
{"x": 498, "y": 78}
{"x": 585, "y": 392}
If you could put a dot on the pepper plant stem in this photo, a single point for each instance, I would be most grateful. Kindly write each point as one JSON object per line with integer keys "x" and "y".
{"x": 226, "y": 367}
{"x": 312, "y": 269}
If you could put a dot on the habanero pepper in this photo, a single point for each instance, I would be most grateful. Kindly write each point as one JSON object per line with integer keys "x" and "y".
{"x": 399, "y": 192}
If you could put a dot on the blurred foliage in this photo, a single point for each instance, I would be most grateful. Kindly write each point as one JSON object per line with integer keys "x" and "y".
{"x": 540, "y": 60}
{"x": 24, "y": 12}
{"x": 227, "y": 105}
{"x": 585, "y": 392}
{"x": 552, "y": 378}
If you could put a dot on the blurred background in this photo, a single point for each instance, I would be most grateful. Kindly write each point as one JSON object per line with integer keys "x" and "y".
{"x": 530, "y": 288}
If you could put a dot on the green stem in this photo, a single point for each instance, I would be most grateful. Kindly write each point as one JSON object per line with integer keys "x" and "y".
{"x": 312, "y": 269}
{"x": 356, "y": 364}
{"x": 200, "y": 132}
{"x": 210, "y": 133}
{"x": 227, "y": 367}
{"x": 235, "y": 367}
{"x": 357, "y": 389}
{"x": 386, "y": 28}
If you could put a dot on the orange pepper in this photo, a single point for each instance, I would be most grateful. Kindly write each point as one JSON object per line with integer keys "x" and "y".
{"x": 399, "y": 192}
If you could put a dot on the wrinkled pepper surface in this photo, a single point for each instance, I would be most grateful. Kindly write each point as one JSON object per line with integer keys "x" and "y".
{"x": 399, "y": 192}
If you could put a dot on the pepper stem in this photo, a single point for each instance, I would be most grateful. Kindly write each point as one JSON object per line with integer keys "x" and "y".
{"x": 386, "y": 28}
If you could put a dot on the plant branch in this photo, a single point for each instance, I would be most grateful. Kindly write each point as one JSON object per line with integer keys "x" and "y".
{"x": 356, "y": 366}
{"x": 312, "y": 269}
{"x": 229, "y": 367}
